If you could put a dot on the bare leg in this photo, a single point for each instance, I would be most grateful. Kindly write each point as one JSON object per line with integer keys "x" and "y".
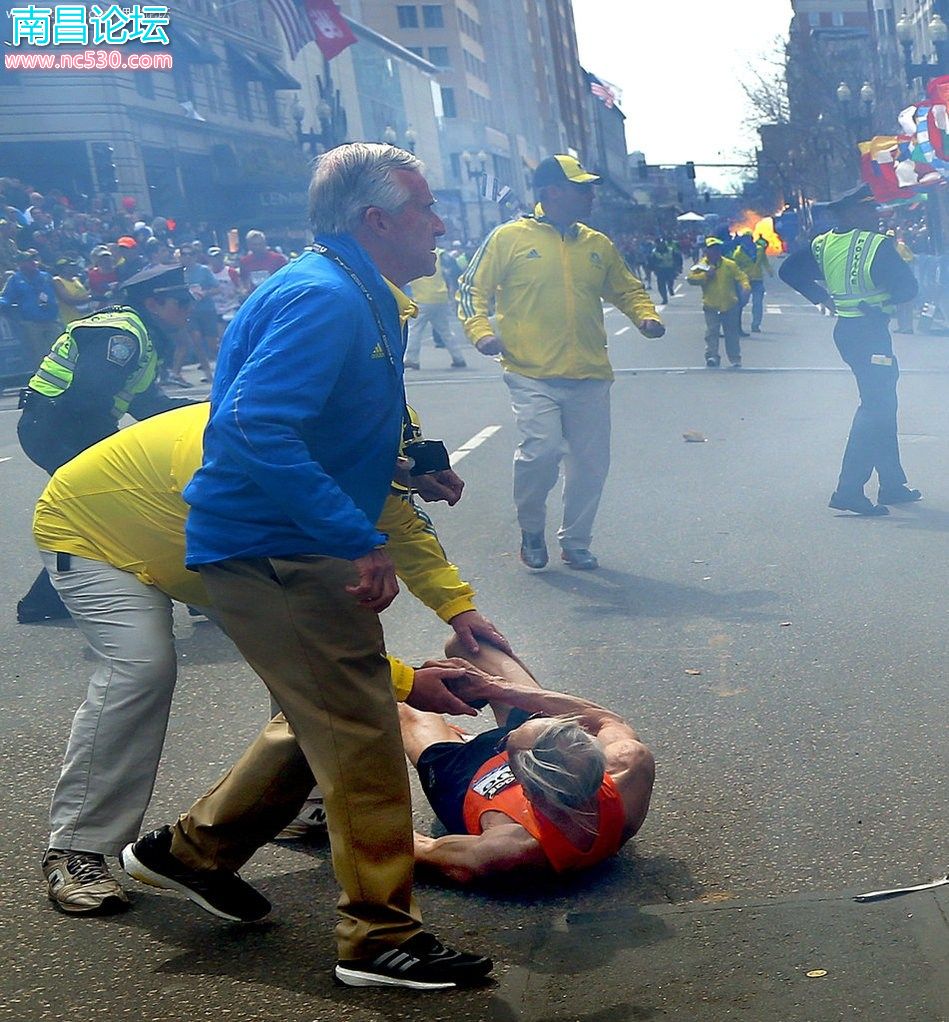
{"x": 421, "y": 729}
{"x": 496, "y": 662}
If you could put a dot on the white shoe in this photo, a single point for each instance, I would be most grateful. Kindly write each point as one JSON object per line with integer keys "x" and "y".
{"x": 308, "y": 824}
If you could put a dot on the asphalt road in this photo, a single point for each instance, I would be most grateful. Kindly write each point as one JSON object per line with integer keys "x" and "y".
{"x": 786, "y": 663}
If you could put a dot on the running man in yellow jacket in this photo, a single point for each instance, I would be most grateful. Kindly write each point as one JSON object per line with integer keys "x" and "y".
{"x": 723, "y": 286}
{"x": 110, "y": 527}
{"x": 754, "y": 270}
{"x": 547, "y": 274}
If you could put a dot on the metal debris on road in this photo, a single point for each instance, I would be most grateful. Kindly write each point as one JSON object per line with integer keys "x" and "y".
{"x": 694, "y": 436}
{"x": 895, "y": 892}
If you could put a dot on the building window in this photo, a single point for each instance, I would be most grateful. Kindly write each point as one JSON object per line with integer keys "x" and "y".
{"x": 417, "y": 50}
{"x": 144, "y": 84}
{"x": 408, "y": 15}
{"x": 455, "y": 159}
{"x": 433, "y": 16}
{"x": 184, "y": 82}
{"x": 438, "y": 55}
{"x": 242, "y": 98}
{"x": 448, "y": 102}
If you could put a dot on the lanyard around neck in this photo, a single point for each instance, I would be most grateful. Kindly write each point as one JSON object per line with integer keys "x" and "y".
{"x": 380, "y": 326}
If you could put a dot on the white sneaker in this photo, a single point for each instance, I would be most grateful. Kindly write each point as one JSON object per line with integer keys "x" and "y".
{"x": 80, "y": 883}
{"x": 308, "y": 824}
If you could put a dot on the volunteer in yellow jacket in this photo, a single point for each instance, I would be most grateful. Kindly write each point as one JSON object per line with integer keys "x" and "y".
{"x": 723, "y": 287}
{"x": 110, "y": 527}
{"x": 755, "y": 270}
{"x": 547, "y": 274}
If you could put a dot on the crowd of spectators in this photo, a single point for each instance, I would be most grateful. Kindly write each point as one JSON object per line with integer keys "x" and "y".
{"x": 59, "y": 263}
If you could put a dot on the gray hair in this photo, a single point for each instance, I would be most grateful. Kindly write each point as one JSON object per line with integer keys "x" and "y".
{"x": 351, "y": 178}
{"x": 565, "y": 764}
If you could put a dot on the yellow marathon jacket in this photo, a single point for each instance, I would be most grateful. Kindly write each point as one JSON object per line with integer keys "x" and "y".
{"x": 547, "y": 289}
{"x": 120, "y": 502}
{"x": 719, "y": 290}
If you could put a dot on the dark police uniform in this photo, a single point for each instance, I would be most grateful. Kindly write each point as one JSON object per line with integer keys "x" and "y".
{"x": 866, "y": 278}
{"x": 100, "y": 368}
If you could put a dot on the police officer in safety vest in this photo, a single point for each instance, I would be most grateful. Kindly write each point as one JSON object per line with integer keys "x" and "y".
{"x": 856, "y": 272}
{"x": 100, "y": 368}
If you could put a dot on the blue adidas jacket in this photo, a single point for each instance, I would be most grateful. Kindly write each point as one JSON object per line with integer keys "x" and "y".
{"x": 306, "y": 413}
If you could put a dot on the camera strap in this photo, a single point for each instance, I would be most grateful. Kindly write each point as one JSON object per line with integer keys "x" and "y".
{"x": 380, "y": 326}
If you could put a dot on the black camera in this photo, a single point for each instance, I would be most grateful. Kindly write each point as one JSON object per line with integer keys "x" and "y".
{"x": 426, "y": 456}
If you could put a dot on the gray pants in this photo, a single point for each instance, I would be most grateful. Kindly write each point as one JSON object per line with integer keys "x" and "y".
{"x": 117, "y": 734}
{"x": 440, "y": 317}
{"x": 728, "y": 322}
{"x": 560, "y": 420}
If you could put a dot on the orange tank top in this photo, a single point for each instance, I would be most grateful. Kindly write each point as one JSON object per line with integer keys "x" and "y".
{"x": 494, "y": 789}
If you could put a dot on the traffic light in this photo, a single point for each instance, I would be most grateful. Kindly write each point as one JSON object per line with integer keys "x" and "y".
{"x": 690, "y": 170}
{"x": 102, "y": 162}
{"x": 643, "y": 170}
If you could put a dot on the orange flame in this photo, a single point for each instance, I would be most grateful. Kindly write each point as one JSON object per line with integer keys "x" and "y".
{"x": 758, "y": 226}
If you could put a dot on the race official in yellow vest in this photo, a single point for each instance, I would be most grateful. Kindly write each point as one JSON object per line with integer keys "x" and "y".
{"x": 857, "y": 273}
{"x": 547, "y": 275}
{"x": 110, "y": 526}
{"x": 100, "y": 368}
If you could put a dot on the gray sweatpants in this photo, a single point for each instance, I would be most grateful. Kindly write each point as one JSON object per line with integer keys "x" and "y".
{"x": 560, "y": 420}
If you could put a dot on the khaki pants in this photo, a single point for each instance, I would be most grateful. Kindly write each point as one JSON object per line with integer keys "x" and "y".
{"x": 322, "y": 657}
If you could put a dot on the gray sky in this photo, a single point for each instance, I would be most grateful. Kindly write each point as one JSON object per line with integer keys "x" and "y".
{"x": 679, "y": 64}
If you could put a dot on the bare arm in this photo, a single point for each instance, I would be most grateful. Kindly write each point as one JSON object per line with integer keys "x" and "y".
{"x": 465, "y": 858}
{"x": 629, "y": 762}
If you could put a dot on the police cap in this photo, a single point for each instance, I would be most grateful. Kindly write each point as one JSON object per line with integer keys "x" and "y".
{"x": 860, "y": 196}
{"x": 157, "y": 282}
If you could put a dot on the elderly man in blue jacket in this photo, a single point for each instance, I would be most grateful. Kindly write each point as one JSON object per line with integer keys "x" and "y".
{"x": 307, "y": 411}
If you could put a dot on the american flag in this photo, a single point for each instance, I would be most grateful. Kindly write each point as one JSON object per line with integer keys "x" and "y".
{"x": 296, "y": 28}
{"x": 603, "y": 92}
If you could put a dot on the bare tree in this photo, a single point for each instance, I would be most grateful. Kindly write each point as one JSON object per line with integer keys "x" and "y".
{"x": 765, "y": 85}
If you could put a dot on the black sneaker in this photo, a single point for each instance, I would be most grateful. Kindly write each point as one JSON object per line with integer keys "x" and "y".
{"x": 901, "y": 495}
{"x": 533, "y": 550}
{"x": 858, "y": 503}
{"x": 223, "y": 894}
{"x": 421, "y": 963}
{"x": 712, "y": 361}
{"x": 579, "y": 560}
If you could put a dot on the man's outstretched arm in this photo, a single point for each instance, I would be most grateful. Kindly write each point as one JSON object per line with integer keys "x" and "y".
{"x": 629, "y": 762}
{"x": 466, "y": 858}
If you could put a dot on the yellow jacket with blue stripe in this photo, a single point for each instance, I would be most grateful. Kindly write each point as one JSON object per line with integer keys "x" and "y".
{"x": 120, "y": 502}
{"x": 547, "y": 289}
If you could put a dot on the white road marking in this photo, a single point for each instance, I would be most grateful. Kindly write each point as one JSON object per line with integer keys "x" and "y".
{"x": 622, "y": 330}
{"x": 2, "y": 460}
{"x": 774, "y": 310}
{"x": 469, "y": 445}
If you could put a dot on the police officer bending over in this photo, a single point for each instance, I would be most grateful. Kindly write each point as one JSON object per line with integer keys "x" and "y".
{"x": 856, "y": 272}
{"x": 100, "y": 368}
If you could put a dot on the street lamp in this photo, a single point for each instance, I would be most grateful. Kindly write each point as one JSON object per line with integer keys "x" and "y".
{"x": 389, "y": 136}
{"x": 410, "y": 138}
{"x": 867, "y": 99}
{"x": 330, "y": 127}
{"x": 476, "y": 166}
{"x": 939, "y": 34}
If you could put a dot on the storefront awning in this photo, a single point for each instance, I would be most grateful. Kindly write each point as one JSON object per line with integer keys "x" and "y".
{"x": 281, "y": 79}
